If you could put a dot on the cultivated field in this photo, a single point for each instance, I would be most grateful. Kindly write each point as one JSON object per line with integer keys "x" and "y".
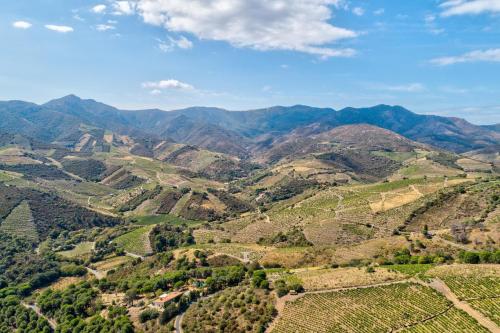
{"x": 478, "y": 285}
{"x": 375, "y": 309}
{"x": 136, "y": 241}
{"x": 343, "y": 277}
{"x": 80, "y": 249}
{"x": 20, "y": 223}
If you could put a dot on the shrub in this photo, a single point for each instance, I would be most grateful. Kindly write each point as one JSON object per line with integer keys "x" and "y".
{"x": 148, "y": 315}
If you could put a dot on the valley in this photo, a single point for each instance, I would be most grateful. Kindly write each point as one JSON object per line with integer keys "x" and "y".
{"x": 276, "y": 220}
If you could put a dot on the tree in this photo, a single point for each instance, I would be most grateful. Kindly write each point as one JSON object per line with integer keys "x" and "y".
{"x": 130, "y": 296}
{"x": 469, "y": 257}
{"x": 258, "y": 277}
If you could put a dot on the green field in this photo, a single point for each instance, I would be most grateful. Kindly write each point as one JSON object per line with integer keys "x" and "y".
{"x": 20, "y": 223}
{"x": 136, "y": 241}
{"x": 80, "y": 249}
{"x": 396, "y": 156}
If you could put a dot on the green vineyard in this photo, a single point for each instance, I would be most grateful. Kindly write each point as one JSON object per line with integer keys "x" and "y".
{"x": 372, "y": 310}
{"x": 20, "y": 223}
{"x": 480, "y": 288}
{"x": 453, "y": 321}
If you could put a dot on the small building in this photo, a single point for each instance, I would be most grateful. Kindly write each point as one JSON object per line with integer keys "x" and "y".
{"x": 167, "y": 298}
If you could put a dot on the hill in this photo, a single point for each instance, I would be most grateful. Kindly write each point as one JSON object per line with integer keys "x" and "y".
{"x": 232, "y": 132}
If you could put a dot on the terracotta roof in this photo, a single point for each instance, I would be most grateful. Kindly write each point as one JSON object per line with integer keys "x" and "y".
{"x": 168, "y": 297}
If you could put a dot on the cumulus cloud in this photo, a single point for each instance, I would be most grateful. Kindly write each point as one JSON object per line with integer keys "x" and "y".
{"x": 21, "y": 25}
{"x": 169, "y": 84}
{"x": 124, "y": 7}
{"x": 59, "y": 28}
{"x": 379, "y": 11}
{"x": 171, "y": 43}
{"x": 491, "y": 55}
{"x": 358, "y": 11}
{"x": 99, "y": 9}
{"x": 104, "y": 27}
{"x": 294, "y": 25}
{"x": 469, "y": 7}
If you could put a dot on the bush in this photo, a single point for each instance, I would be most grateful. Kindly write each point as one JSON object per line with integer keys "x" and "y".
{"x": 73, "y": 270}
{"x": 470, "y": 257}
{"x": 148, "y": 315}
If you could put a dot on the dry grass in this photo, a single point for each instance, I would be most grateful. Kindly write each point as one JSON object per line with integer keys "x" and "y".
{"x": 465, "y": 270}
{"x": 79, "y": 250}
{"x": 65, "y": 282}
{"x": 392, "y": 200}
{"x": 344, "y": 277}
{"x": 111, "y": 263}
{"x": 473, "y": 165}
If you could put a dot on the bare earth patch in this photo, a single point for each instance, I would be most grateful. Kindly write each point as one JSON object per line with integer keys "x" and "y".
{"x": 345, "y": 277}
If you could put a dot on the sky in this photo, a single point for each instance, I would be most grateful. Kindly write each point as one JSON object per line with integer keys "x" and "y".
{"x": 431, "y": 56}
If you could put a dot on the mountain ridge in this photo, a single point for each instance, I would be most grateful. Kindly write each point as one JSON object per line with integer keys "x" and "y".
{"x": 235, "y": 131}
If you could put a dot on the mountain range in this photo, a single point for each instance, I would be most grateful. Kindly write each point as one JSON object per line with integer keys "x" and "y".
{"x": 240, "y": 133}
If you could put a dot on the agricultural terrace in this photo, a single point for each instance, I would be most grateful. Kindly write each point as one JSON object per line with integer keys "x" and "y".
{"x": 371, "y": 310}
{"x": 320, "y": 279}
{"x": 342, "y": 215}
{"x": 20, "y": 223}
{"x": 478, "y": 285}
{"x": 136, "y": 241}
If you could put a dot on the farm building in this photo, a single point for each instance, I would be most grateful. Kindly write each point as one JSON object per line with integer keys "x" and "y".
{"x": 166, "y": 298}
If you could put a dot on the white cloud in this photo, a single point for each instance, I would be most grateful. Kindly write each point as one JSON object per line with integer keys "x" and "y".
{"x": 294, "y": 25}
{"x": 430, "y": 18}
{"x": 21, "y": 25}
{"x": 430, "y": 23}
{"x": 104, "y": 27}
{"x": 169, "y": 84}
{"x": 358, "y": 11}
{"x": 172, "y": 43}
{"x": 78, "y": 18}
{"x": 469, "y": 7}
{"x": 99, "y": 9}
{"x": 124, "y": 7}
{"x": 379, "y": 11}
{"x": 410, "y": 88}
{"x": 491, "y": 55}
{"x": 59, "y": 28}
{"x": 155, "y": 92}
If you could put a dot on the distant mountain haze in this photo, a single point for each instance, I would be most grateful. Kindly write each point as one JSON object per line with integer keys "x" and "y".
{"x": 237, "y": 133}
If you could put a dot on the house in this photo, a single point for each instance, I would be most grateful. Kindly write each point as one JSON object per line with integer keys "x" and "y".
{"x": 167, "y": 298}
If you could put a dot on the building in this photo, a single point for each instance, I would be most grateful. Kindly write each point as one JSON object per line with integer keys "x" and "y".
{"x": 167, "y": 298}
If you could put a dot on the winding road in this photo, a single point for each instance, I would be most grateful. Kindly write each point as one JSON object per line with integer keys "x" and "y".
{"x": 37, "y": 310}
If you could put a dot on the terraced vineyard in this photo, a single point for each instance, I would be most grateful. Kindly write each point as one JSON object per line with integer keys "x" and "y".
{"x": 376, "y": 309}
{"x": 453, "y": 321}
{"x": 20, "y": 223}
{"x": 478, "y": 286}
{"x": 136, "y": 241}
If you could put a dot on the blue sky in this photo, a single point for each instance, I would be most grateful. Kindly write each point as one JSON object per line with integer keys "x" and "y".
{"x": 431, "y": 56}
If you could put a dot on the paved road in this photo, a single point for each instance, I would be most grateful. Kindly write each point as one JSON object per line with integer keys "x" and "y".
{"x": 178, "y": 323}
